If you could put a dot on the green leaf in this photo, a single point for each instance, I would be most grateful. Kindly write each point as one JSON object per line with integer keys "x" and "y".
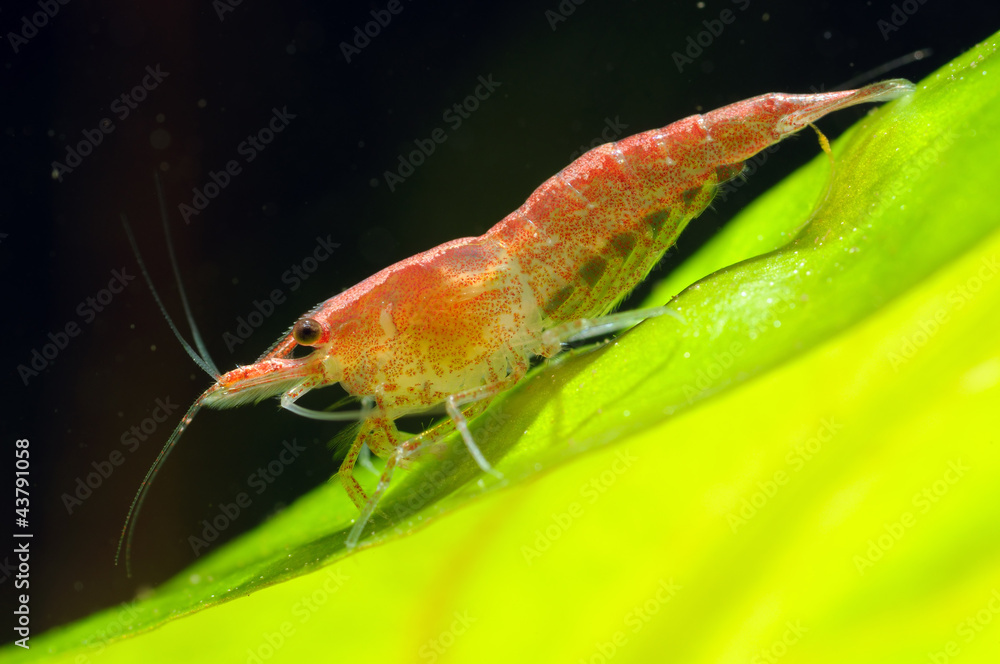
{"x": 805, "y": 468}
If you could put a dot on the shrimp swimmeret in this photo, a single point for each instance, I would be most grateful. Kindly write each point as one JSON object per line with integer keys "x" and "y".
{"x": 459, "y": 323}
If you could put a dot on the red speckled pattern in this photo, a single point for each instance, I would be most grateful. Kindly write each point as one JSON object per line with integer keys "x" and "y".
{"x": 471, "y": 312}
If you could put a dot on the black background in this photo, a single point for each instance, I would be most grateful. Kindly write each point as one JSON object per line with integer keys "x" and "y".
{"x": 323, "y": 175}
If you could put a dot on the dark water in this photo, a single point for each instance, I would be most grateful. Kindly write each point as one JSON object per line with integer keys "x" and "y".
{"x": 306, "y": 133}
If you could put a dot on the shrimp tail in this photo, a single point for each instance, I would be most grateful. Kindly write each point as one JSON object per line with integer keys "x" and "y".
{"x": 812, "y": 110}
{"x": 743, "y": 129}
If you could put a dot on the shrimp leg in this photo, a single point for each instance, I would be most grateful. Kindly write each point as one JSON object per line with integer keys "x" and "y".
{"x": 463, "y": 405}
{"x": 346, "y": 474}
{"x": 380, "y": 434}
{"x": 478, "y": 398}
{"x": 478, "y": 394}
{"x": 588, "y": 328}
{"x": 405, "y": 450}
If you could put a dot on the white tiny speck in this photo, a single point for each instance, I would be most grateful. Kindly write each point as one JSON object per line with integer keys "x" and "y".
{"x": 687, "y": 355}
{"x": 743, "y": 294}
{"x": 777, "y": 323}
{"x": 627, "y": 413}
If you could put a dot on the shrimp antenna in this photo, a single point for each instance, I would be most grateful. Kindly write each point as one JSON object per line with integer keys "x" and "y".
{"x": 195, "y": 333}
{"x": 202, "y": 358}
{"x": 877, "y": 72}
{"x": 128, "y": 528}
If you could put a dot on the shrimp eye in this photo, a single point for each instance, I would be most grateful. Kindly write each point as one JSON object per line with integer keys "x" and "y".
{"x": 307, "y": 332}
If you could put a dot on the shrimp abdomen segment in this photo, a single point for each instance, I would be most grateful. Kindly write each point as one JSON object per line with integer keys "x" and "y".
{"x": 592, "y": 232}
{"x": 746, "y": 127}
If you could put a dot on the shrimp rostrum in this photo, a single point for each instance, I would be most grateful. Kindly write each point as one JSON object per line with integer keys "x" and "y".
{"x": 459, "y": 323}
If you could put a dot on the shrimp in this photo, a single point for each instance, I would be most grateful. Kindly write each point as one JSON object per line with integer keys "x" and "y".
{"x": 458, "y": 324}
